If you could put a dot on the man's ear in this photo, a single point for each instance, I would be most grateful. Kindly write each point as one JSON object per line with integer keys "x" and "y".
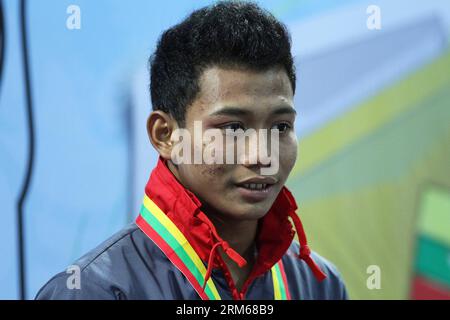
{"x": 160, "y": 126}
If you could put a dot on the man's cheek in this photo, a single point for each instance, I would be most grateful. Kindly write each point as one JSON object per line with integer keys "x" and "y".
{"x": 211, "y": 172}
{"x": 289, "y": 152}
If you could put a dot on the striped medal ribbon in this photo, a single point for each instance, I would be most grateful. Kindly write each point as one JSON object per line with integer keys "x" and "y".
{"x": 166, "y": 235}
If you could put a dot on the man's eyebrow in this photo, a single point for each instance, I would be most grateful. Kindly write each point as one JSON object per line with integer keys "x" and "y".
{"x": 284, "y": 109}
{"x": 236, "y": 111}
{"x": 231, "y": 111}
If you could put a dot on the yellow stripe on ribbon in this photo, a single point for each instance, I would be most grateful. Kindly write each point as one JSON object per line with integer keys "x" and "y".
{"x": 181, "y": 239}
{"x": 276, "y": 283}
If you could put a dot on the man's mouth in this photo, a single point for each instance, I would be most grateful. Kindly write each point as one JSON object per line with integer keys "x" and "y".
{"x": 256, "y": 186}
{"x": 256, "y": 189}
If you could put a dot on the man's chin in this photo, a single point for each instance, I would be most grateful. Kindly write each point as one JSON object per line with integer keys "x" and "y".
{"x": 250, "y": 211}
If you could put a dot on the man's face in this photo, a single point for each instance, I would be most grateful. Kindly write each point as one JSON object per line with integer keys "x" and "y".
{"x": 241, "y": 99}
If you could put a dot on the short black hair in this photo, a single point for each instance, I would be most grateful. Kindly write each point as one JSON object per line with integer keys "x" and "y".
{"x": 226, "y": 34}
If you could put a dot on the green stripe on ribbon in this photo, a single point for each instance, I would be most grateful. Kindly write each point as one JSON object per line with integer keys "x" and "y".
{"x": 176, "y": 247}
{"x": 280, "y": 281}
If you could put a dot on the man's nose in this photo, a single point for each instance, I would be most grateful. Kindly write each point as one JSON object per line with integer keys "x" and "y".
{"x": 256, "y": 146}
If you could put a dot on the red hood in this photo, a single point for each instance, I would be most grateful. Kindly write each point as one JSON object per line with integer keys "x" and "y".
{"x": 275, "y": 233}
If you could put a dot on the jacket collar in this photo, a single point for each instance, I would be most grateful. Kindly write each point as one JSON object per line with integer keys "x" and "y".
{"x": 275, "y": 232}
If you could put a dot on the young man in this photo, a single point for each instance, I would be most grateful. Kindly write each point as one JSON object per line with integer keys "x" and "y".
{"x": 217, "y": 230}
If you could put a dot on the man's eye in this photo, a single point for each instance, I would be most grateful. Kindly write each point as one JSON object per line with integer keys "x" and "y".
{"x": 233, "y": 126}
{"x": 282, "y": 127}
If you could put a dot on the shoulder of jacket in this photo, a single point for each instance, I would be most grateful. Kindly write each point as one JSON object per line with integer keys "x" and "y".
{"x": 333, "y": 284}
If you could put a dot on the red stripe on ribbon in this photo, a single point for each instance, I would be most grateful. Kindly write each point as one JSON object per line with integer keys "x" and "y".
{"x": 171, "y": 255}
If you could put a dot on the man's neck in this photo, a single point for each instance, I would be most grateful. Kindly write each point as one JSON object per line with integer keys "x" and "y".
{"x": 241, "y": 236}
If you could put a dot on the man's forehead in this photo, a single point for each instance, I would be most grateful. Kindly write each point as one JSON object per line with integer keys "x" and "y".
{"x": 217, "y": 83}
